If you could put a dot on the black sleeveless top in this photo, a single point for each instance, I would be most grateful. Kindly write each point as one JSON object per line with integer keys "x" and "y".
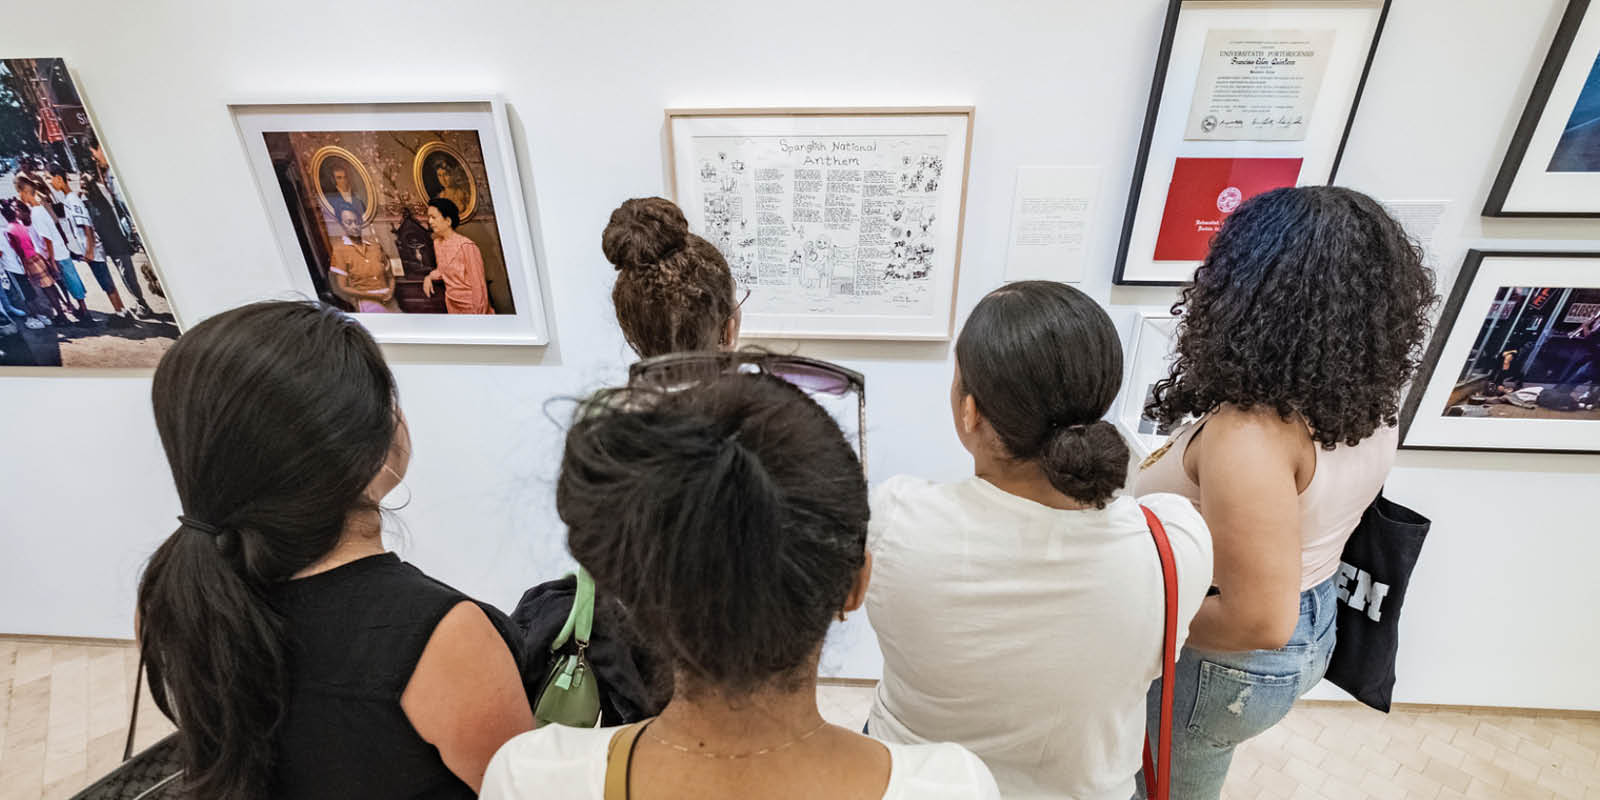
{"x": 355, "y": 634}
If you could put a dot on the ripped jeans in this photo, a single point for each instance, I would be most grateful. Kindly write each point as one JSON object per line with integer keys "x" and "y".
{"x": 1222, "y": 699}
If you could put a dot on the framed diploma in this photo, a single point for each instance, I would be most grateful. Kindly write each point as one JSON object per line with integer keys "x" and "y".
{"x": 1515, "y": 362}
{"x": 1248, "y": 96}
{"x": 1552, "y": 168}
{"x": 841, "y": 223}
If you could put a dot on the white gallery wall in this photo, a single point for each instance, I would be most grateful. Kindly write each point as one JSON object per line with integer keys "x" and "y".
{"x": 1502, "y": 609}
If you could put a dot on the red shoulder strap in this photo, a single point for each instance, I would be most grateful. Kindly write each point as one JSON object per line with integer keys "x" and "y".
{"x": 1157, "y": 780}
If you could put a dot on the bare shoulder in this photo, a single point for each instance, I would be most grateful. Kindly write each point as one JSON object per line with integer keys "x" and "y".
{"x": 1236, "y": 430}
{"x": 1258, "y": 436}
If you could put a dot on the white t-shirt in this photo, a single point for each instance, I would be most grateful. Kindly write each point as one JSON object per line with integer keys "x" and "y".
{"x": 560, "y": 763}
{"x": 1025, "y": 633}
{"x": 78, "y": 221}
{"x": 44, "y": 228}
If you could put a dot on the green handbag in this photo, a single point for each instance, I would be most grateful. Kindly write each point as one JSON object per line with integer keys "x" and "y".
{"x": 571, "y": 693}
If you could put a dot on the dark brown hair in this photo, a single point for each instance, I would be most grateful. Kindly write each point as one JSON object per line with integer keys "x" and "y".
{"x": 729, "y": 518}
{"x": 1043, "y": 363}
{"x": 1312, "y": 301}
{"x": 674, "y": 291}
{"x": 275, "y": 417}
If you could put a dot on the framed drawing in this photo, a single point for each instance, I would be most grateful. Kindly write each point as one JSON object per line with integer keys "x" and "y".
{"x": 1552, "y": 168}
{"x": 1515, "y": 362}
{"x": 1150, "y": 356}
{"x": 1248, "y": 96}
{"x": 78, "y": 288}
{"x": 408, "y": 214}
{"x": 842, "y": 223}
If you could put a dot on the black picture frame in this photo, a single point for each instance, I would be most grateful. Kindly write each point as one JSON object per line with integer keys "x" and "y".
{"x": 1153, "y": 112}
{"x": 1441, "y": 335}
{"x": 1532, "y": 114}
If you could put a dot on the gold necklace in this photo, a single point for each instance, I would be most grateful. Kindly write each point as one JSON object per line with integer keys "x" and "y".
{"x": 763, "y": 751}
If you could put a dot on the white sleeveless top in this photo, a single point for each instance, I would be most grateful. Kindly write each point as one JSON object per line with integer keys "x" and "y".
{"x": 1346, "y": 481}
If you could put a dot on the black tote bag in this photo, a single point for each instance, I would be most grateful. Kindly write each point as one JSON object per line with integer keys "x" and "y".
{"x": 1374, "y": 572}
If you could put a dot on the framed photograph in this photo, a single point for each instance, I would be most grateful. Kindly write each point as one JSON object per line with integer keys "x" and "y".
{"x": 842, "y": 223}
{"x": 1150, "y": 355}
{"x": 408, "y": 214}
{"x": 77, "y": 286}
{"x": 1552, "y": 168}
{"x": 1515, "y": 362}
{"x": 1248, "y": 96}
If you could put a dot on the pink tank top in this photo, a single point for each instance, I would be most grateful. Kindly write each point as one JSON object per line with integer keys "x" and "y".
{"x": 1344, "y": 484}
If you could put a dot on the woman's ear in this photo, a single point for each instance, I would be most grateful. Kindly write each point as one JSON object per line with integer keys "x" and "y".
{"x": 858, "y": 591}
{"x": 969, "y": 416}
{"x": 730, "y": 332}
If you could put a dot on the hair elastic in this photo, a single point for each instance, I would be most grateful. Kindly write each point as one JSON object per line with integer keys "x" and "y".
{"x": 203, "y": 527}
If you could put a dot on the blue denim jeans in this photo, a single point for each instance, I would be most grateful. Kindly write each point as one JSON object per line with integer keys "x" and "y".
{"x": 1222, "y": 699}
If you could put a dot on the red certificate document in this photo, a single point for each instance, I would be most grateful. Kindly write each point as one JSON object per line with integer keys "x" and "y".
{"x": 1205, "y": 191}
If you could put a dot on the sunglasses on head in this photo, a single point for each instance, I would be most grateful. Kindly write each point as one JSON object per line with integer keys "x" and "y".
{"x": 677, "y": 370}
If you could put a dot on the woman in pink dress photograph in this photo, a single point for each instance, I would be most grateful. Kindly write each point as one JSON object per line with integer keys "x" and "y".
{"x": 459, "y": 262}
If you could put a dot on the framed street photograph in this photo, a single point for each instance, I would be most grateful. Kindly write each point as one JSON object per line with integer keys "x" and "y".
{"x": 407, "y": 214}
{"x": 1515, "y": 362}
{"x": 78, "y": 288}
{"x": 1248, "y": 96}
{"x": 842, "y": 223}
{"x": 1150, "y": 356}
{"x": 1552, "y": 168}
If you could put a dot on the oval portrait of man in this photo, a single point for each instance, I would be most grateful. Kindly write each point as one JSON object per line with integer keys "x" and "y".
{"x": 342, "y": 182}
{"x": 441, "y": 171}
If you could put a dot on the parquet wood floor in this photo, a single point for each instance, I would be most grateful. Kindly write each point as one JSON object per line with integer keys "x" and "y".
{"x": 64, "y": 715}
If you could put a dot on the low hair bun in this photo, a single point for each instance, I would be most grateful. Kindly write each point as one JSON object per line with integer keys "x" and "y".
{"x": 1088, "y": 463}
{"x": 644, "y": 231}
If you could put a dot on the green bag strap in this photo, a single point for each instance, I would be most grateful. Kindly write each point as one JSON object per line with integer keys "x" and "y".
{"x": 581, "y": 619}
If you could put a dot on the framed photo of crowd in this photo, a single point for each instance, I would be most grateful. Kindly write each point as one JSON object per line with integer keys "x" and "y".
{"x": 1552, "y": 168}
{"x": 406, "y": 214}
{"x": 78, "y": 288}
{"x": 1248, "y": 96}
{"x": 1514, "y": 364}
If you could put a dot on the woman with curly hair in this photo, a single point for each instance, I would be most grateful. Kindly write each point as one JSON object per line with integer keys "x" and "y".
{"x": 1294, "y": 342}
{"x": 674, "y": 290}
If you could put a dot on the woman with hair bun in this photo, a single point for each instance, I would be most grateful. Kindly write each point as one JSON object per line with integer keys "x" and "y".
{"x": 1020, "y": 611}
{"x": 728, "y": 515}
{"x": 674, "y": 291}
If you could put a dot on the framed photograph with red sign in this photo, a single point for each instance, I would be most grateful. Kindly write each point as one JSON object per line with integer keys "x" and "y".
{"x": 1515, "y": 362}
{"x": 77, "y": 286}
{"x": 1248, "y": 96}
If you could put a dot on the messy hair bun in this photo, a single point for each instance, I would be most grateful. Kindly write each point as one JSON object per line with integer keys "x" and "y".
{"x": 674, "y": 291}
{"x": 729, "y": 518}
{"x": 643, "y": 231}
{"x": 1043, "y": 363}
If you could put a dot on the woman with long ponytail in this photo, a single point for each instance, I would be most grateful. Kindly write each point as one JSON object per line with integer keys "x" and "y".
{"x": 295, "y": 655}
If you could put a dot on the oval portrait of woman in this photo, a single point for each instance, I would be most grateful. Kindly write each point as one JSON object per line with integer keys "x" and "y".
{"x": 441, "y": 171}
{"x": 341, "y": 182}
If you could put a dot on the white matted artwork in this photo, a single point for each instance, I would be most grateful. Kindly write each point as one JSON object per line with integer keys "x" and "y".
{"x": 1249, "y": 96}
{"x": 1150, "y": 357}
{"x": 842, "y": 223}
{"x": 1515, "y": 361}
{"x": 1552, "y": 168}
{"x": 408, "y": 214}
